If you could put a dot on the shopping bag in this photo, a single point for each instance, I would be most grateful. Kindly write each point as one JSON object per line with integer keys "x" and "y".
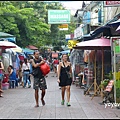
{"x": 45, "y": 68}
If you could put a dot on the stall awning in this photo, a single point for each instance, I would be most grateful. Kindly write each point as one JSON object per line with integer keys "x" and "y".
{"x": 2, "y": 35}
{"x": 32, "y": 47}
{"x": 65, "y": 52}
{"x": 28, "y": 51}
{"x": 94, "y": 44}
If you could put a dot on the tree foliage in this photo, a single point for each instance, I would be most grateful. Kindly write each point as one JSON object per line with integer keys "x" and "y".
{"x": 28, "y": 22}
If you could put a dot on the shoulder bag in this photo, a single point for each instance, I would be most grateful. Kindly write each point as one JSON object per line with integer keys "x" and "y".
{"x": 68, "y": 74}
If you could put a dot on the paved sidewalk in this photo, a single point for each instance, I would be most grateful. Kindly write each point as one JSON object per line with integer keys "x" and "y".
{"x": 19, "y": 104}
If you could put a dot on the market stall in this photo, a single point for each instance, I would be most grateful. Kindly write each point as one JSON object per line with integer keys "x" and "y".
{"x": 96, "y": 44}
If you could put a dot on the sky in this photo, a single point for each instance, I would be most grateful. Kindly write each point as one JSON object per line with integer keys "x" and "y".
{"x": 73, "y": 5}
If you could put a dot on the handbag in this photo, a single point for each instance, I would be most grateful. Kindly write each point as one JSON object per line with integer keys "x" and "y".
{"x": 68, "y": 74}
{"x": 45, "y": 68}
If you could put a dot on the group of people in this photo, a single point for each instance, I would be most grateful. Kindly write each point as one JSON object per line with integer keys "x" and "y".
{"x": 39, "y": 80}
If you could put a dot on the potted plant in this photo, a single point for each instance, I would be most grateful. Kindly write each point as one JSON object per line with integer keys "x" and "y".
{"x": 105, "y": 82}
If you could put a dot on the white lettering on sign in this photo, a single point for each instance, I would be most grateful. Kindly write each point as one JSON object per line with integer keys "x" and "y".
{"x": 59, "y": 16}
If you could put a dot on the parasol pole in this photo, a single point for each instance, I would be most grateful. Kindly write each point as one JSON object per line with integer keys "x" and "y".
{"x": 102, "y": 64}
{"x": 102, "y": 71}
{"x": 95, "y": 74}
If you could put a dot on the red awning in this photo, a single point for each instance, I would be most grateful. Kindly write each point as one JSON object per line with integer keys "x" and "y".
{"x": 32, "y": 47}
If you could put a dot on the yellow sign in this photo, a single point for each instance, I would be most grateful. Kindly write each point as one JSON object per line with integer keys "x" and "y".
{"x": 72, "y": 43}
{"x": 63, "y": 26}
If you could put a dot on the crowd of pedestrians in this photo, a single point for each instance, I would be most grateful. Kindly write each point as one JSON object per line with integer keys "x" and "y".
{"x": 31, "y": 67}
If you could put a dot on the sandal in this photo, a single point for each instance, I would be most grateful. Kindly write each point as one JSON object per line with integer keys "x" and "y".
{"x": 62, "y": 103}
{"x": 43, "y": 102}
{"x": 36, "y": 105}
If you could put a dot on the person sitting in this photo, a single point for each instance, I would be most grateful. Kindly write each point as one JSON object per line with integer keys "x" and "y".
{"x": 12, "y": 77}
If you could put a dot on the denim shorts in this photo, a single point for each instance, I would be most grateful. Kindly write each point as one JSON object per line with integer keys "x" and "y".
{"x": 40, "y": 83}
{"x": 1, "y": 77}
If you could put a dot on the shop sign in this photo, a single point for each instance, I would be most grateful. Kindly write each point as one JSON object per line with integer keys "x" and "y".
{"x": 111, "y": 3}
{"x": 63, "y": 27}
{"x": 72, "y": 43}
{"x": 58, "y": 16}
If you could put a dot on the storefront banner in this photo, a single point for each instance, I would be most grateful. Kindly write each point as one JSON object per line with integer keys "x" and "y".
{"x": 59, "y": 16}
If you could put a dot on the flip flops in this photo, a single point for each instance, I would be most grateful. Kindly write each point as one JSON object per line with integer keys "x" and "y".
{"x": 43, "y": 102}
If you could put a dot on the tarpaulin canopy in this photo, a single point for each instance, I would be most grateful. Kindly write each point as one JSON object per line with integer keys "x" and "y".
{"x": 115, "y": 23}
{"x": 17, "y": 49}
{"x": 2, "y": 35}
{"x": 65, "y": 52}
{"x": 32, "y": 47}
{"x": 28, "y": 51}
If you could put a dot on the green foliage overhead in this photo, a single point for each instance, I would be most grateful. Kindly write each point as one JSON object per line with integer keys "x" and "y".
{"x": 28, "y": 21}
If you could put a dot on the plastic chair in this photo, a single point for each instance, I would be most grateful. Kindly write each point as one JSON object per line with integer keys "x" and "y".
{"x": 12, "y": 84}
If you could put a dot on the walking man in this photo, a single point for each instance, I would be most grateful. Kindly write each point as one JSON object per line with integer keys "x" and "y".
{"x": 39, "y": 79}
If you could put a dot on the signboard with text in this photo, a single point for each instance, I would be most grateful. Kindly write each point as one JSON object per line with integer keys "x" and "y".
{"x": 72, "y": 43}
{"x": 111, "y": 3}
{"x": 58, "y": 16}
{"x": 63, "y": 27}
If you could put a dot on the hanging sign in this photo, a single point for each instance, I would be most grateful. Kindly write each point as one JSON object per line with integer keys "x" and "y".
{"x": 59, "y": 16}
{"x": 72, "y": 43}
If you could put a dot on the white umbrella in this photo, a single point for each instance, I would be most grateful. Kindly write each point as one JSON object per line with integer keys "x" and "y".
{"x": 10, "y": 45}
{"x": 6, "y": 44}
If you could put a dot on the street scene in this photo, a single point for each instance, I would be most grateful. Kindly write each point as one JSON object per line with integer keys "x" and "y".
{"x": 19, "y": 103}
{"x": 60, "y": 59}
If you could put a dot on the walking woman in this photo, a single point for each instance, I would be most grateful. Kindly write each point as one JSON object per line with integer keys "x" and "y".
{"x": 64, "y": 80}
{"x": 20, "y": 73}
{"x": 26, "y": 72}
{"x": 1, "y": 77}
